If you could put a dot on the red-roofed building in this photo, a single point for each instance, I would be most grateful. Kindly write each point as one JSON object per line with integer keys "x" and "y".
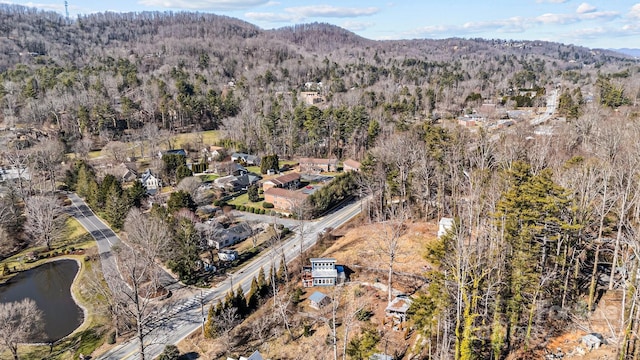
{"x": 284, "y": 199}
{"x": 288, "y": 181}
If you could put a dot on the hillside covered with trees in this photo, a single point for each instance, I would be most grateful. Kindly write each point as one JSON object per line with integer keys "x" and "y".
{"x": 545, "y": 221}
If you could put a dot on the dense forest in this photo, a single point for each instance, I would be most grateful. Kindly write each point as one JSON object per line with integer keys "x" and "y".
{"x": 544, "y": 224}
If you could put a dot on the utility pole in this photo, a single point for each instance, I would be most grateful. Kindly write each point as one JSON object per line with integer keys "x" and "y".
{"x": 202, "y": 311}
{"x": 66, "y": 9}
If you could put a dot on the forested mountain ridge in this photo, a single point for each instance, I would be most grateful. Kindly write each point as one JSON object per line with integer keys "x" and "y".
{"x": 545, "y": 221}
{"x": 105, "y": 72}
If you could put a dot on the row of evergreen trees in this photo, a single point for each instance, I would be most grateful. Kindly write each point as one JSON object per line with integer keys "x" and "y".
{"x": 237, "y": 306}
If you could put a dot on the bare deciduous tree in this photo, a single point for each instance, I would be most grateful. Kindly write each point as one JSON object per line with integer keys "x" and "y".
{"x": 19, "y": 321}
{"x": 148, "y": 238}
{"x": 387, "y": 241}
{"x": 45, "y": 219}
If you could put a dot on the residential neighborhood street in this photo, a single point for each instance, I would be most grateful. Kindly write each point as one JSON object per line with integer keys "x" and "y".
{"x": 106, "y": 239}
{"x": 188, "y": 315}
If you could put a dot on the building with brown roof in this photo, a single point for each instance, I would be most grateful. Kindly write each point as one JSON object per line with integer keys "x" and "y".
{"x": 315, "y": 165}
{"x": 350, "y": 165}
{"x": 284, "y": 199}
{"x": 289, "y": 181}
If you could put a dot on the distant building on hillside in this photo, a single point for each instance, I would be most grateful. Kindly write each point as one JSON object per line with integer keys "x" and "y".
{"x": 351, "y": 165}
{"x": 445, "y": 225}
{"x": 315, "y": 165}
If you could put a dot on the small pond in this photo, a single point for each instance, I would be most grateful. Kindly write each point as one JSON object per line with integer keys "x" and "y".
{"x": 49, "y": 285}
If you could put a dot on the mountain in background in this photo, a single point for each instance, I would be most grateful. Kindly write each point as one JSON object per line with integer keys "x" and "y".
{"x": 628, "y": 51}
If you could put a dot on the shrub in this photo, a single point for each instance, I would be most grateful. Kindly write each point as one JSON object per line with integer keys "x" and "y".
{"x": 240, "y": 208}
{"x": 262, "y": 211}
{"x": 267, "y": 205}
{"x": 111, "y": 338}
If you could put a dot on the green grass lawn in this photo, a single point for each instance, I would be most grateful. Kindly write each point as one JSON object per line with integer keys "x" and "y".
{"x": 244, "y": 200}
{"x": 208, "y": 177}
{"x": 74, "y": 236}
{"x": 208, "y": 137}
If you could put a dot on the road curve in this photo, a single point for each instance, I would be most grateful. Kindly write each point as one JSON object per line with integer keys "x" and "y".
{"x": 189, "y": 315}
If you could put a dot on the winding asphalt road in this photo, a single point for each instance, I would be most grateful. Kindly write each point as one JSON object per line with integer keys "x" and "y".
{"x": 552, "y": 101}
{"x": 188, "y": 315}
{"x": 106, "y": 239}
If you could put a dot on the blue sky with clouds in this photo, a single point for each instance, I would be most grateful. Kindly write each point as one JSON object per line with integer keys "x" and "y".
{"x": 591, "y": 23}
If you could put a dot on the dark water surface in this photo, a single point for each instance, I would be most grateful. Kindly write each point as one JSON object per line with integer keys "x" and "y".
{"x": 49, "y": 285}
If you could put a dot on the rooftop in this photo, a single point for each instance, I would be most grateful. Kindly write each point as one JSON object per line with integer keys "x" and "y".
{"x": 296, "y": 195}
{"x": 287, "y": 178}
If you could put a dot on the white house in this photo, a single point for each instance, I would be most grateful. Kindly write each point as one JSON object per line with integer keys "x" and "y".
{"x": 323, "y": 272}
{"x": 445, "y": 225}
{"x": 227, "y": 237}
{"x": 151, "y": 182}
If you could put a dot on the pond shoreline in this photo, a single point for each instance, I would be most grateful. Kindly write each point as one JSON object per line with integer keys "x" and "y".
{"x": 73, "y": 286}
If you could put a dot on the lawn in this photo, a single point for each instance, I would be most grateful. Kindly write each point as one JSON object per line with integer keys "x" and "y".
{"x": 75, "y": 236}
{"x": 208, "y": 177}
{"x": 208, "y": 137}
{"x": 244, "y": 201}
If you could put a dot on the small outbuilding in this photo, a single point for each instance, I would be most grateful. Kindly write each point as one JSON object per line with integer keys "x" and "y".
{"x": 318, "y": 300}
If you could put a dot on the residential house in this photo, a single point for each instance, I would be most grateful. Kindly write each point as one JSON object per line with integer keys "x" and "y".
{"x": 125, "y": 171}
{"x": 444, "y": 225}
{"x": 322, "y": 272}
{"x": 228, "y": 168}
{"x": 314, "y": 165}
{"x": 351, "y": 165}
{"x": 284, "y": 199}
{"x": 227, "y": 237}
{"x": 248, "y": 159}
{"x": 311, "y": 97}
{"x": 398, "y": 308}
{"x": 151, "y": 182}
{"x": 289, "y": 181}
{"x": 215, "y": 153}
{"x": 236, "y": 183}
{"x": 318, "y": 300}
{"x": 14, "y": 173}
{"x": 182, "y": 152}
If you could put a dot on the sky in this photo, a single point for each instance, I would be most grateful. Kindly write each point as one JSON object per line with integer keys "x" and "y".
{"x": 594, "y": 23}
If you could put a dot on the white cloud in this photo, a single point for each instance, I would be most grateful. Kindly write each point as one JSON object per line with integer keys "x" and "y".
{"x": 54, "y": 7}
{"x": 357, "y": 25}
{"x": 635, "y": 11}
{"x": 585, "y": 8}
{"x": 301, "y": 13}
{"x": 205, "y": 4}
{"x": 271, "y": 17}
{"x": 330, "y": 11}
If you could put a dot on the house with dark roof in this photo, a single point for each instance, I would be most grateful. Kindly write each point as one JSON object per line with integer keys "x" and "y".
{"x": 284, "y": 199}
{"x": 151, "y": 182}
{"x": 182, "y": 152}
{"x": 289, "y": 181}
